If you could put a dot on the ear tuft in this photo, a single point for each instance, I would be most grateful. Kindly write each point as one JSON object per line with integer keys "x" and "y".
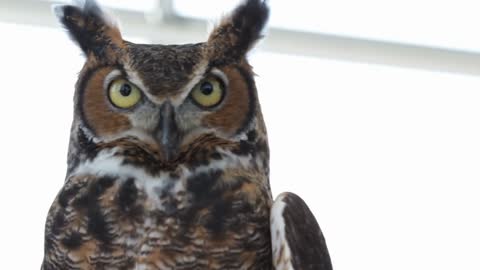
{"x": 238, "y": 32}
{"x": 250, "y": 19}
{"x": 89, "y": 27}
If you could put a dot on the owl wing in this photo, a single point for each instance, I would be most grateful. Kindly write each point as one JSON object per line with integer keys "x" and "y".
{"x": 297, "y": 240}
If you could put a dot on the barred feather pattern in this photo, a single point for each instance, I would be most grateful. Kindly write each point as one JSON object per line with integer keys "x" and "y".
{"x": 113, "y": 214}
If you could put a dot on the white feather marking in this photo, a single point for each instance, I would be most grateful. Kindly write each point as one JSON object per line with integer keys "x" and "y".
{"x": 112, "y": 75}
{"x": 198, "y": 74}
{"x": 221, "y": 75}
{"x": 281, "y": 253}
{"x": 134, "y": 78}
{"x": 106, "y": 163}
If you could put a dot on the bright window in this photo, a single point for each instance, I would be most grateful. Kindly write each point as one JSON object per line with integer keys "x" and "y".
{"x": 137, "y": 5}
{"x": 450, "y": 24}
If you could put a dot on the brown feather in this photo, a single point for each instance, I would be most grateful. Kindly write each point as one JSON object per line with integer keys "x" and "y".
{"x": 98, "y": 113}
{"x": 236, "y": 105}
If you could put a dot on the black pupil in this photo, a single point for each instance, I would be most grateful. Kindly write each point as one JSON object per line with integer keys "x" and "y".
{"x": 206, "y": 88}
{"x": 125, "y": 90}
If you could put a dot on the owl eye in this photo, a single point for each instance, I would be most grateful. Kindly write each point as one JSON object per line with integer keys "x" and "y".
{"x": 124, "y": 94}
{"x": 208, "y": 93}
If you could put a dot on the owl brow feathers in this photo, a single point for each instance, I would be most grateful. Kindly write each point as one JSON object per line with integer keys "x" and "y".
{"x": 237, "y": 33}
{"x": 91, "y": 29}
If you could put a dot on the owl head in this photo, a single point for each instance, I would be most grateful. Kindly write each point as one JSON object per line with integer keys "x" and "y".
{"x": 165, "y": 104}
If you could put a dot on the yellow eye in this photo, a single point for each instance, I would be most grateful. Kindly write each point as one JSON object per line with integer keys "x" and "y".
{"x": 124, "y": 94}
{"x": 209, "y": 92}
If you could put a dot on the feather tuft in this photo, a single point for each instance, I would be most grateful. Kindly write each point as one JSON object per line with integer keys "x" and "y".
{"x": 238, "y": 32}
{"x": 89, "y": 26}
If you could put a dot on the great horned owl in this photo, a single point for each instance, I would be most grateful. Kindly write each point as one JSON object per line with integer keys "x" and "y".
{"x": 168, "y": 163}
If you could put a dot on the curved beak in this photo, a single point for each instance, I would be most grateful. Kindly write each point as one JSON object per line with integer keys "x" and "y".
{"x": 167, "y": 133}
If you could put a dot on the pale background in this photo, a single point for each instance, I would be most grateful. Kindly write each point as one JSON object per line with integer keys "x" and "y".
{"x": 372, "y": 108}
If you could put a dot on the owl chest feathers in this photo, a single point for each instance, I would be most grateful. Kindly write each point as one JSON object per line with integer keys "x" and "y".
{"x": 190, "y": 185}
{"x": 211, "y": 216}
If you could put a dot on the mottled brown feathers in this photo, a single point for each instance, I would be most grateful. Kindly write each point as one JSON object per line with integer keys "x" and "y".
{"x": 165, "y": 69}
{"x": 217, "y": 226}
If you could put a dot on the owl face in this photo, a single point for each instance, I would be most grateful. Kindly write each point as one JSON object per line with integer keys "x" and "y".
{"x": 167, "y": 97}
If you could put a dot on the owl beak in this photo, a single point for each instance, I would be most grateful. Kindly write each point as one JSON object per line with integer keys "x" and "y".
{"x": 167, "y": 133}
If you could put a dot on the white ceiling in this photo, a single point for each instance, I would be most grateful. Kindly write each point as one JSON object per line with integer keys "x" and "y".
{"x": 445, "y": 24}
{"x": 449, "y": 24}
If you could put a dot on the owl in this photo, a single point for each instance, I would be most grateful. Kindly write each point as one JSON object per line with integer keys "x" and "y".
{"x": 168, "y": 160}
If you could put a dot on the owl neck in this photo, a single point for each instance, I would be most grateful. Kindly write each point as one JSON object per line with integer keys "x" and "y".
{"x": 206, "y": 153}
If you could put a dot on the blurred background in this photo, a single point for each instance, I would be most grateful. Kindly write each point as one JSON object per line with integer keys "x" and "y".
{"x": 372, "y": 108}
